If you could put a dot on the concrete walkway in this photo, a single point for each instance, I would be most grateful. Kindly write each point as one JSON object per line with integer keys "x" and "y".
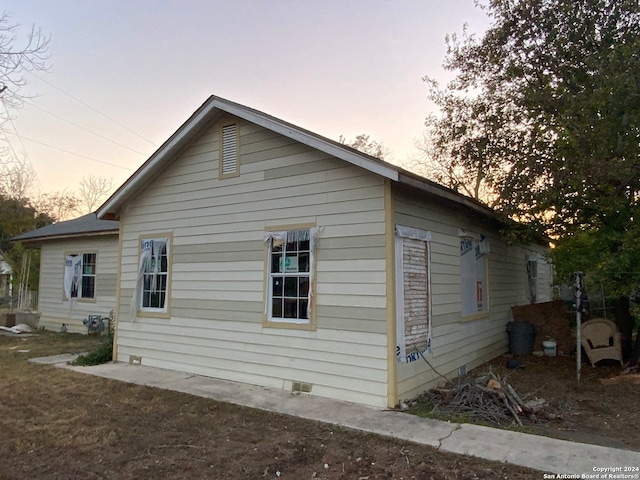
{"x": 556, "y": 457}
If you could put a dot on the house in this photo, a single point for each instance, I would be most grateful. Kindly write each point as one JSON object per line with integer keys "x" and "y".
{"x": 78, "y": 266}
{"x": 6, "y": 276}
{"x": 255, "y": 251}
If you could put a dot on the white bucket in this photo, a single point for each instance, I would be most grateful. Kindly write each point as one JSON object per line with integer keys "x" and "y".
{"x": 549, "y": 347}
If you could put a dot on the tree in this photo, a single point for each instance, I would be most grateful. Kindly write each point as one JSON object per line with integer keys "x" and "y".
{"x": 58, "y": 206}
{"x": 365, "y": 144}
{"x": 16, "y": 59}
{"x": 18, "y": 216}
{"x": 545, "y": 110}
{"x": 92, "y": 191}
{"x": 17, "y": 177}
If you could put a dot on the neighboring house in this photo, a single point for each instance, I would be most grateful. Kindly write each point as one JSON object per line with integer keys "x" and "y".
{"x": 6, "y": 276}
{"x": 78, "y": 265}
{"x": 259, "y": 252}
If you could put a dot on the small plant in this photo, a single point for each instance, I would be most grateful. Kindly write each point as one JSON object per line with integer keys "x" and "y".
{"x": 103, "y": 353}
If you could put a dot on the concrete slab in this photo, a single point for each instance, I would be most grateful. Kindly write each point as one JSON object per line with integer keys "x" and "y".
{"x": 125, "y": 372}
{"x": 55, "y": 359}
{"x": 556, "y": 457}
{"x": 550, "y": 455}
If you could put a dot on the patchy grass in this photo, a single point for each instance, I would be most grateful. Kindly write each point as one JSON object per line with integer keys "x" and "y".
{"x": 57, "y": 424}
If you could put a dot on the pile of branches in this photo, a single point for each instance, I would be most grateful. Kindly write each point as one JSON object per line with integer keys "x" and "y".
{"x": 488, "y": 398}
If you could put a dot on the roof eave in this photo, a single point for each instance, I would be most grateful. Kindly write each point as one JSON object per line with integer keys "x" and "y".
{"x": 174, "y": 144}
{"x": 46, "y": 238}
{"x": 447, "y": 194}
{"x": 200, "y": 119}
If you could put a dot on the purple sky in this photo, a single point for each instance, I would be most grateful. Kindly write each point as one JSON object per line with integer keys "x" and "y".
{"x": 334, "y": 67}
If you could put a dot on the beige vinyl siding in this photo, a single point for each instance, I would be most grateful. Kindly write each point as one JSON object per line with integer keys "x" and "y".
{"x": 459, "y": 342}
{"x": 54, "y": 310}
{"x": 218, "y": 292}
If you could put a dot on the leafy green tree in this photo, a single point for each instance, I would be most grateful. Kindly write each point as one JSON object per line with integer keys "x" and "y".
{"x": 544, "y": 111}
{"x": 16, "y": 217}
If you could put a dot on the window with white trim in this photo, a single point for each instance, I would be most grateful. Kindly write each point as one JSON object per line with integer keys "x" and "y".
{"x": 153, "y": 274}
{"x": 474, "y": 251}
{"x": 290, "y": 277}
{"x": 80, "y": 276}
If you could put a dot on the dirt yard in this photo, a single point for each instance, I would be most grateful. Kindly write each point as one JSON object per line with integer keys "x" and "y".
{"x": 59, "y": 424}
{"x": 591, "y": 412}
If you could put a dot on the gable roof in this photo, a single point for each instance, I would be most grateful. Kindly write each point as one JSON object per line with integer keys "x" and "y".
{"x": 215, "y": 107}
{"x": 87, "y": 225}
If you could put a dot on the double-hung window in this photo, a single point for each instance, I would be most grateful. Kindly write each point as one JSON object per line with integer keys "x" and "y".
{"x": 80, "y": 276}
{"x": 153, "y": 275}
{"x": 290, "y": 275}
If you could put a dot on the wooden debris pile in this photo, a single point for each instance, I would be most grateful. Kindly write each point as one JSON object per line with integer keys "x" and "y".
{"x": 488, "y": 398}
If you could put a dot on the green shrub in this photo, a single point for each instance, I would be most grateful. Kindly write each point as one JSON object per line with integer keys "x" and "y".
{"x": 103, "y": 353}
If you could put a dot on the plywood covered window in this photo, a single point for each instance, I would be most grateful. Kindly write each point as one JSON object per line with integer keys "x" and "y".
{"x": 80, "y": 276}
{"x": 474, "y": 250}
{"x": 291, "y": 259}
{"x": 229, "y": 151}
{"x": 413, "y": 293}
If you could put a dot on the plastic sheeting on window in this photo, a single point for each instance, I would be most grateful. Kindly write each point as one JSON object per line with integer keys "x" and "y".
{"x": 72, "y": 282}
{"x": 301, "y": 235}
{"x": 473, "y": 273}
{"x": 413, "y": 323}
{"x": 150, "y": 256}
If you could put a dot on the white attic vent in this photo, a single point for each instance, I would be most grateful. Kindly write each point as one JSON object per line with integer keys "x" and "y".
{"x": 229, "y": 151}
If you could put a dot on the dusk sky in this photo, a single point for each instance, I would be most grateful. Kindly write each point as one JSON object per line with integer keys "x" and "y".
{"x": 333, "y": 67}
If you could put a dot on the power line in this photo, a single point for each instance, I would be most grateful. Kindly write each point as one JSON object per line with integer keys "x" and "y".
{"x": 73, "y": 153}
{"x": 84, "y": 128}
{"x": 13, "y": 125}
{"x": 94, "y": 110}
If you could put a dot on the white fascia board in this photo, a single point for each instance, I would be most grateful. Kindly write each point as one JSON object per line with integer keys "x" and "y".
{"x": 157, "y": 158}
{"x": 132, "y": 184}
{"x": 310, "y": 140}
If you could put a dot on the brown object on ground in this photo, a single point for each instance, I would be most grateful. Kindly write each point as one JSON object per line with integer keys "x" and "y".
{"x": 600, "y": 339}
{"x": 486, "y": 398}
{"x": 551, "y": 321}
{"x": 633, "y": 378}
{"x": 60, "y": 424}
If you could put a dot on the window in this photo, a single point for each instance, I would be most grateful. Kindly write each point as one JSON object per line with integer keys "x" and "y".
{"x": 473, "y": 274}
{"x": 532, "y": 278}
{"x": 229, "y": 147}
{"x": 80, "y": 276}
{"x": 153, "y": 274}
{"x": 290, "y": 277}
{"x": 413, "y": 295}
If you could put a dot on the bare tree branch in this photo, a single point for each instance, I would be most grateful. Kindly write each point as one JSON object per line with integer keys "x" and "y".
{"x": 92, "y": 191}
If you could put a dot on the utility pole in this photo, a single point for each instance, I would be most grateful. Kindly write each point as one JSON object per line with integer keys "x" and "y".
{"x": 577, "y": 277}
